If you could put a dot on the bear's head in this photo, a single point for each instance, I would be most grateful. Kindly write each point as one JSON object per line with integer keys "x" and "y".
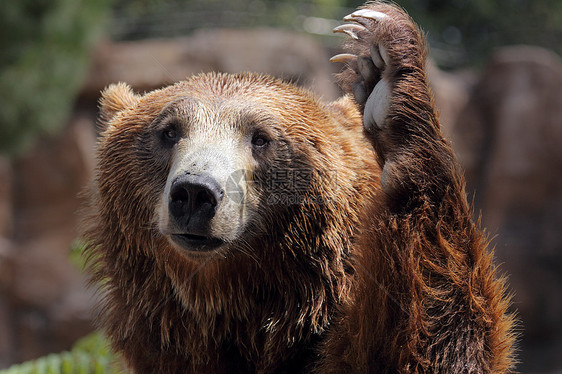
{"x": 217, "y": 195}
{"x": 216, "y": 161}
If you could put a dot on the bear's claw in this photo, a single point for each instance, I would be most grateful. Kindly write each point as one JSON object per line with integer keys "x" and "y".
{"x": 371, "y": 89}
{"x": 344, "y": 57}
{"x": 350, "y": 29}
{"x": 365, "y": 13}
{"x": 347, "y": 58}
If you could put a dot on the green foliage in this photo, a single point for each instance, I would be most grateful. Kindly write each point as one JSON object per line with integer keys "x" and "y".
{"x": 140, "y": 19}
{"x": 89, "y": 355}
{"x": 77, "y": 256}
{"x": 44, "y": 59}
{"x": 467, "y": 31}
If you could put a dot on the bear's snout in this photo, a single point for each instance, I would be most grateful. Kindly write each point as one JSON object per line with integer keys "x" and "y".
{"x": 193, "y": 202}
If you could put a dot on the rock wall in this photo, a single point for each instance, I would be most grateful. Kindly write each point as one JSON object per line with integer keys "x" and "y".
{"x": 154, "y": 63}
{"x": 43, "y": 303}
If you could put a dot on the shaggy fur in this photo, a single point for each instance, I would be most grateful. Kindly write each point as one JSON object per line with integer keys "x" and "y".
{"x": 367, "y": 280}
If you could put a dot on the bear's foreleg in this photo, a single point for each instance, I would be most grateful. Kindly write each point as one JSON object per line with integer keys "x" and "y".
{"x": 427, "y": 296}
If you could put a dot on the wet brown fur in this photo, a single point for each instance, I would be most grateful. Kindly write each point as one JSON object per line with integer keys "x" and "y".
{"x": 399, "y": 280}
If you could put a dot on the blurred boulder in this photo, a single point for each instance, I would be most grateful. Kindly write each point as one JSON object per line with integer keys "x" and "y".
{"x": 48, "y": 179}
{"x": 43, "y": 301}
{"x": 509, "y": 139}
{"x": 150, "y": 64}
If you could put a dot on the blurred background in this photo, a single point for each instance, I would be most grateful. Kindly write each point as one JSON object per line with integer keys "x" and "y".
{"x": 495, "y": 68}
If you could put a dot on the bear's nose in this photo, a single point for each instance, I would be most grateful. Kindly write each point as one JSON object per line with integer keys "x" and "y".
{"x": 193, "y": 201}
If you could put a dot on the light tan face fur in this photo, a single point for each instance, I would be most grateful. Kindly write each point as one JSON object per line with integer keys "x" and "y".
{"x": 211, "y": 142}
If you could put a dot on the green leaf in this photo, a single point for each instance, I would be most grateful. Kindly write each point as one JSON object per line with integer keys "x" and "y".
{"x": 90, "y": 355}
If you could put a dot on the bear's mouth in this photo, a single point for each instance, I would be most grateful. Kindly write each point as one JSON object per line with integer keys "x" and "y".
{"x": 198, "y": 243}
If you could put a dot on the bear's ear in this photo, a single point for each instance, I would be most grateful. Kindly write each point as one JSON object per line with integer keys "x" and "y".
{"x": 114, "y": 99}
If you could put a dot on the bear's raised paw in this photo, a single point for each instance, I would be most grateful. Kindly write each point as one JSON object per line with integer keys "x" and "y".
{"x": 384, "y": 43}
{"x": 385, "y": 73}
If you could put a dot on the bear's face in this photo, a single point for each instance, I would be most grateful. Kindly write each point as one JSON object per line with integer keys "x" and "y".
{"x": 210, "y": 161}
{"x": 214, "y": 147}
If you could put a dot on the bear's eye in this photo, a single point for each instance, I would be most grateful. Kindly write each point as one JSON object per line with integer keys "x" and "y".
{"x": 259, "y": 140}
{"x": 170, "y": 135}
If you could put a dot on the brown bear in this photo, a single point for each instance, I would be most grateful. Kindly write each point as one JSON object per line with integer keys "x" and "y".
{"x": 239, "y": 224}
